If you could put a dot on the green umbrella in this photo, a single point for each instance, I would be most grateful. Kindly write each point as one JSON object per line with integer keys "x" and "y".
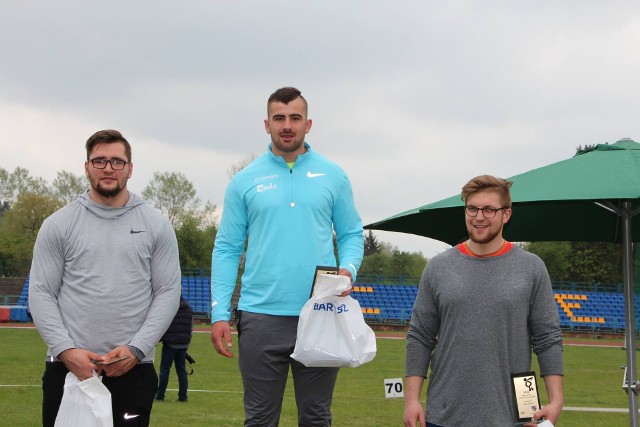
{"x": 593, "y": 196}
{"x": 560, "y": 202}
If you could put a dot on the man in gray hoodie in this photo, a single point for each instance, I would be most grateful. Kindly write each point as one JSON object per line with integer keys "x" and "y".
{"x": 104, "y": 284}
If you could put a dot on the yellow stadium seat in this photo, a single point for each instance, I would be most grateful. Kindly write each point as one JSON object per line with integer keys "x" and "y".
{"x": 376, "y": 311}
{"x": 600, "y": 319}
{"x": 583, "y": 297}
{"x": 570, "y": 305}
{"x": 574, "y": 319}
{"x": 569, "y": 313}
{"x": 369, "y": 310}
{"x": 587, "y": 319}
{"x": 580, "y": 319}
{"x": 356, "y": 289}
{"x": 369, "y": 289}
{"x": 364, "y": 310}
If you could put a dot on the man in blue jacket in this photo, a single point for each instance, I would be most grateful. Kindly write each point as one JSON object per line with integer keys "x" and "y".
{"x": 286, "y": 205}
{"x": 175, "y": 343}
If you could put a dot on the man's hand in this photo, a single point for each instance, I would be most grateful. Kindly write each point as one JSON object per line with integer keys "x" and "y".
{"x": 221, "y": 338}
{"x": 122, "y": 367}
{"x": 79, "y": 362}
{"x": 414, "y": 414}
{"x": 550, "y": 412}
{"x": 345, "y": 272}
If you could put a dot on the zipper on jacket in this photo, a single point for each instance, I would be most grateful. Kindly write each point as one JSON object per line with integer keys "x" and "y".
{"x": 292, "y": 203}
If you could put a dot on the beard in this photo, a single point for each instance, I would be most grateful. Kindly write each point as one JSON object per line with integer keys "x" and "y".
{"x": 288, "y": 148}
{"x": 490, "y": 236}
{"x": 106, "y": 192}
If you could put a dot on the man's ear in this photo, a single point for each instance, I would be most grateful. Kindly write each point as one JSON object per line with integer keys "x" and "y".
{"x": 507, "y": 215}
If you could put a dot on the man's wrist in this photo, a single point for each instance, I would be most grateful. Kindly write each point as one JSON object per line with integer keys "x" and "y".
{"x": 136, "y": 351}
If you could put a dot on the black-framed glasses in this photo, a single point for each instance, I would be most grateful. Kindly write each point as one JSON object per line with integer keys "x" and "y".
{"x": 116, "y": 164}
{"x": 487, "y": 212}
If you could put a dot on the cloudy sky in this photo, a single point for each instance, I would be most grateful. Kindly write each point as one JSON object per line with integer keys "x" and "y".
{"x": 411, "y": 98}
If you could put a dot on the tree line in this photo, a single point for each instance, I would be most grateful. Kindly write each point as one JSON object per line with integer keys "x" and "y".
{"x": 25, "y": 202}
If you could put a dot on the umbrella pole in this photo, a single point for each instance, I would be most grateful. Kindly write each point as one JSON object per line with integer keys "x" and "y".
{"x": 630, "y": 329}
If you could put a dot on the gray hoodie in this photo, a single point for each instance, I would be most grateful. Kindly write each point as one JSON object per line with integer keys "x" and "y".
{"x": 102, "y": 277}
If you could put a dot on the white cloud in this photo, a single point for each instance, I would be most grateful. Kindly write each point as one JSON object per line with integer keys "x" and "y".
{"x": 411, "y": 98}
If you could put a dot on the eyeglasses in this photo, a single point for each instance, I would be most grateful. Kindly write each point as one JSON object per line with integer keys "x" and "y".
{"x": 116, "y": 164}
{"x": 487, "y": 212}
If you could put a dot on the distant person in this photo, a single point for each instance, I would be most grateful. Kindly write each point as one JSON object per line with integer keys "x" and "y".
{"x": 175, "y": 343}
{"x": 481, "y": 308}
{"x": 105, "y": 283}
{"x": 287, "y": 205}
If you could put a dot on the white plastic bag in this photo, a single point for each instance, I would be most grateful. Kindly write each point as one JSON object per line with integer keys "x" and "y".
{"x": 331, "y": 329}
{"x": 84, "y": 403}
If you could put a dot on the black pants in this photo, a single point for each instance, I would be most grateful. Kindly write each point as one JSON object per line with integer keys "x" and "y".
{"x": 131, "y": 394}
{"x": 170, "y": 355}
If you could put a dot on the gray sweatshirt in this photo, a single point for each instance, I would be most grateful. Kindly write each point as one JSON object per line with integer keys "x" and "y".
{"x": 103, "y": 277}
{"x": 481, "y": 318}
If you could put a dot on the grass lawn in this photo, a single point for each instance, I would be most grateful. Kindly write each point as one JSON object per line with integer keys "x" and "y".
{"x": 593, "y": 379}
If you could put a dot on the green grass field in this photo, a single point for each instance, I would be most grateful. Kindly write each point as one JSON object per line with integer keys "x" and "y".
{"x": 593, "y": 379}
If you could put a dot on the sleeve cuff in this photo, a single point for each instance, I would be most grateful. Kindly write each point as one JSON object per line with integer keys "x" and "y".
{"x": 136, "y": 352}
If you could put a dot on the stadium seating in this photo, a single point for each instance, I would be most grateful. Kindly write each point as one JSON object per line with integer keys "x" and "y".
{"x": 20, "y": 311}
{"x": 197, "y": 291}
{"x": 385, "y": 303}
{"x": 591, "y": 311}
{"x": 596, "y": 311}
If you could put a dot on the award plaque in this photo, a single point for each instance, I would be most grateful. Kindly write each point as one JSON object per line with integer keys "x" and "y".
{"x": 320, "y": 269}
{"x": 525, "y": 394}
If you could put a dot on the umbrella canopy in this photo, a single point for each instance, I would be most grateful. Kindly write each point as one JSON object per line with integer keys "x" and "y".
{"x": 593, "y": 196}
{"x": 566, "y": 201}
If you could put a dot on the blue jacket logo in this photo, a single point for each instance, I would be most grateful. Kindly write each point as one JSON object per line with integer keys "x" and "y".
{"x": 262, "y": 187}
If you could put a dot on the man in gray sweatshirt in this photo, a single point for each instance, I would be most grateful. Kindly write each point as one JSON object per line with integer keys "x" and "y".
{"x": 105, "y": 283}
{"x": 481, "y": 309}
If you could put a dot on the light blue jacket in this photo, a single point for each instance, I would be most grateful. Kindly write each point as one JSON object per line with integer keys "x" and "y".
{"x": 288, "y": 217}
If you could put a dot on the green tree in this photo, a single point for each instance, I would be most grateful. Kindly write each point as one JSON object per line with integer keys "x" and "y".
{"x": 28, "y": 213}
{"x": 599, "y": 262}
{"x": 195, "y": 243}
{"x": 20, "y": 181}
{"x": 378, "y": 263}
{"x": 67, "y": 186}
{"x": 4, "y": 206}
{"x": 173, "y": 195}
{"x": 580, "y": 261}
{"x": 20, "y": 226}
{"x": 390, "y": 260}
{"x": 371, "y": 245}
{"x": 15, "y": 254}
{"x": 407, "y": 263}
{"x": 555, "y": 256}
{"x": 5, "y": 192}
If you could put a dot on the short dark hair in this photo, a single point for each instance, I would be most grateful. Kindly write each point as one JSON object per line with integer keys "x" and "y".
{"x": 488, "y": 183}
{"x": 286, "y": 95}
{"x": 107, "y": 136}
